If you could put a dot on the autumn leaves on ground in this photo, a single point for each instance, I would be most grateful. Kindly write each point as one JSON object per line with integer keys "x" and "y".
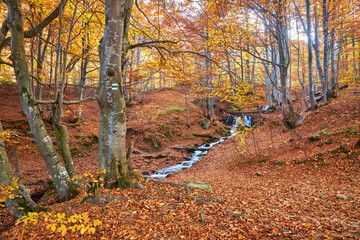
{"x": 267, "y": 183}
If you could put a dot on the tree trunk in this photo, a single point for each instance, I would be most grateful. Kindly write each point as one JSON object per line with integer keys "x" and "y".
{"x": 317, "y": 50}
{"x": 62, "y": 140}
{"x": 208, "y": 82}
{"x": 310, "y": 57}
{"x": 61, "y": 132}
{"x": 290, "y": 82}
{"x": 354, "y": 60}
{"x": 289, "y": 116}
{"x": 83, "y": 71}
{"x": 334, "y": 81}
{"x": 266, "y": 66}
{"x": 253, "y": 69}
{"x": 325, "y": 8}
{"x": 316, "y": 81}
{"x": 275, "y": 75}
{"x": 268, "y": 79}
{"x": 110, "y": 94}
{"x": 186, "y": 106}
{"x": 65, "y": 188}
{"x": 301, "y": 80}
{"x": 338, "y": 58}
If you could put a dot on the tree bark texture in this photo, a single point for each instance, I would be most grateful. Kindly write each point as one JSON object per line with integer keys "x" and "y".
{"x": 310, "y": 57}
{"x": 325, "y": 8}
{"x": 110, "y": 94}
{"x": 65, "y": 188}
{"x": 282, "y": 37}
{"x": 317, "y": 49}
{"x": 334, "y": 80}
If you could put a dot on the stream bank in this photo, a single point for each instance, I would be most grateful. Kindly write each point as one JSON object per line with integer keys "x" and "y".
{"x": 202, "y": 150}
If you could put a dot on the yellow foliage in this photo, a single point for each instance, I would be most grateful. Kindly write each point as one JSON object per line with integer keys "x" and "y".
{"x": 60, "y": 223}
{"x": 7, "y": 191}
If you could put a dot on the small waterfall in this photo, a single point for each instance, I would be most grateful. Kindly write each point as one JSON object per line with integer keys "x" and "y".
{"x": 248, "y": 121}
{"x": 200, "y": 152}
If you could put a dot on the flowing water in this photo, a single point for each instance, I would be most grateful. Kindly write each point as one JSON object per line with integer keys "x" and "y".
{"x": 195, "y": 157}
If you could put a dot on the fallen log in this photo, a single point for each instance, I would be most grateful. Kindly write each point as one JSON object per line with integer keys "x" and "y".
{"x": 318, "y": 93}
{"x": 355, "y": 92}
{"x": 246, "y": 112}
{"x": 318, "y": 99}
{"x": 185, "y": 148}
{"x": 343, "y": 87}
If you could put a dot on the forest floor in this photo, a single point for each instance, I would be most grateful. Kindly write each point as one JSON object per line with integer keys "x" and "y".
{"x": 268, "y": 183}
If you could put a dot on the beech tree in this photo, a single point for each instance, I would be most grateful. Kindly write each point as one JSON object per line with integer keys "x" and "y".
{"x": 110, "y": 94}
{"x": 276, "y": 14}
{"x": 14, "y": 23}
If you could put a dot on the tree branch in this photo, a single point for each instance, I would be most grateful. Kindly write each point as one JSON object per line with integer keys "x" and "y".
{"x": 5, "y": 63}
{"x": 37, "y": 29}
{"x": 149, "y": 44}
{"x": 65, "y": 102}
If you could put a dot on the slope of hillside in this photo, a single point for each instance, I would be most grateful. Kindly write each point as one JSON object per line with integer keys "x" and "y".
{"x": 270, "y": 183}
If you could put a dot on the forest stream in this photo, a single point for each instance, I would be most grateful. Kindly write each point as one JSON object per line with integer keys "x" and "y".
{"x": 201, "y": 151}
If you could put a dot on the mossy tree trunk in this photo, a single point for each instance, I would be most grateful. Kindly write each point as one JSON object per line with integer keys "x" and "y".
{"x": 62, "y": 139}
{"x": 110, "y": 94}
{"x": 61, "y": 132}
{"x": 65, "y": 187}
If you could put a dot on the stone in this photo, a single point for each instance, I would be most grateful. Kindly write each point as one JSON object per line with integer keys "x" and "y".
{"x": 139, "y": 186}
{"x": 205, "y": 124}
{"x": 155, "y": 141}
{"x": 197, "y": 185}
{"x": 342, "y": 197}
{"x": 286, "y": 231}
{"x": 103, "y": 199}
{"x": 258, "y": 174}
{"x": 93, "y": 200}
{"x": 112, "y": 198}
{"x": 315, "y": 137}
{"x": 160, "y": 156}
{"x": 136, "y": 151}
{"x": 299, "y": 121}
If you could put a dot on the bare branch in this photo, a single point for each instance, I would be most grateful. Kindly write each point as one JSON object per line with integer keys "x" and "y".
{"x": 65, "y": 102}
{"x": 38, "y": 28}
{"x": 149, "y": 44}
{"x": 5, "y": 63}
